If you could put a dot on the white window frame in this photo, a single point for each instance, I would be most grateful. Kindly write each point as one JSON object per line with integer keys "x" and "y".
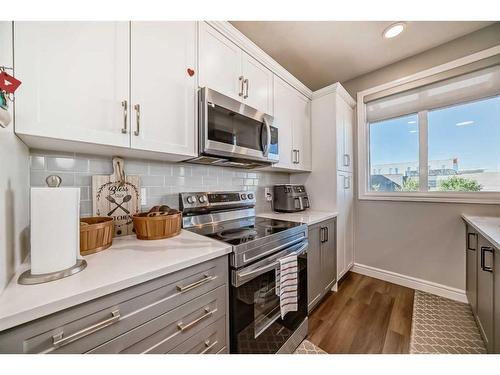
{"x": 363, "y": 144}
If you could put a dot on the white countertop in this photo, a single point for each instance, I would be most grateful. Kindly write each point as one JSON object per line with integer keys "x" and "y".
{"x": 308, "y": 217}
{"x": 126, "y": 263}
{"x": 488, "y": 227}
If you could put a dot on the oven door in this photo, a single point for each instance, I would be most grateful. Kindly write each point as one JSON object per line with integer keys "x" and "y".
{"x": 255, "y": 318}
{"x": 231, "y": 129}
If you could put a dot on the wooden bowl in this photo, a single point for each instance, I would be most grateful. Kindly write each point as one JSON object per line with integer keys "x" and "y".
{"x": 157, "y": 227}
{"x": 96, "y": 234}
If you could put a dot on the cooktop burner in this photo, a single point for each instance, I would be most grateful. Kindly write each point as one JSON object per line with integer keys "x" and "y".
{"x": 235, "y": 232}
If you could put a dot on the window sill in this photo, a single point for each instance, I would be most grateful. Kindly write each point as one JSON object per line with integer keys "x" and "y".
{"x": 474, "y": 198}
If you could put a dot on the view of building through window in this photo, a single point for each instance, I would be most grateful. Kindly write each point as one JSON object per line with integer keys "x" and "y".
{"x": 463, "y": 152}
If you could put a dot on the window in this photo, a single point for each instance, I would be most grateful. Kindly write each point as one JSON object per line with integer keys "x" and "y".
{"x": 465, "y": 140}
{"x": 394, "y": 146}
{"x": 433, "y": 136}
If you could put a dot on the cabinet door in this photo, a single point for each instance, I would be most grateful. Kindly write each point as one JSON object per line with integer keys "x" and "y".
{"x": 349, "y": 221}
{"x": 283, "y": 119}
{"x": 314, "y": 280}
{"x": 75, "y": 78}
{"x": 348, "y": 121}
{"x": 471, "y": 267}
{"x": 258, "y": 85}
{"x": 485, "y": 287}
{"x": 341, "y": 226}
{"x": 219, "y": 63}
{"x": 302, "y": 132}
{"x": 339, "y": 128}
{"x": 163, "y": 94}
{"x": 328, "y": 255}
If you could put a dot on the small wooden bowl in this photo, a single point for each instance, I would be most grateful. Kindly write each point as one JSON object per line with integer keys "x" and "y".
{"x": 96, "y": 234}
{"x": 157, "y": 227}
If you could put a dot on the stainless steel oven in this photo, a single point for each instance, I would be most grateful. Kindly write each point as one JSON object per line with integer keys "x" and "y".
{"x": 234, "y": 134}
{"x": 255, "y": 319}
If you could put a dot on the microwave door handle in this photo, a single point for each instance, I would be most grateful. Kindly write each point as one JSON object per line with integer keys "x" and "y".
{"x": 268, "y": 143}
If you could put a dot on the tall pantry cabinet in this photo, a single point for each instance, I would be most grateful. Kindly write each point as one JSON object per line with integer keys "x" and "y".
{"x": 330, "y": 185}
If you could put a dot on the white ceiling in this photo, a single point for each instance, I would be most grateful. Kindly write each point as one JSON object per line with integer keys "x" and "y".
{"x": 323, "y": 52}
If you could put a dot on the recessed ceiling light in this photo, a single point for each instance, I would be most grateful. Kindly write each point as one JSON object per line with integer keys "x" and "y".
{"x": 394, "y": 30}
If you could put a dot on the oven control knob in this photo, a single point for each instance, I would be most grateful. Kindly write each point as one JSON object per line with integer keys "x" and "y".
{"x": 250, "y": 196}
{"x": 191, "y": 199}
{"x": 243, "y": 196}
{"x": 202, "y": 199}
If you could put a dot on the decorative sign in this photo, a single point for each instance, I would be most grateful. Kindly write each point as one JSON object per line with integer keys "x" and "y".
{"x": 117, "y": 196}
{"x": 8, "y": 83}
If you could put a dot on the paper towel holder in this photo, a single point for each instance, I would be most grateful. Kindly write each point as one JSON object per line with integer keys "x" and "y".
{"x": 27, "y": 278}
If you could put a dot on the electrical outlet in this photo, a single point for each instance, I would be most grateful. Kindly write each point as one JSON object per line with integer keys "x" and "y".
{"x": 268, "y": 194}
{"x": 144, "y": 201}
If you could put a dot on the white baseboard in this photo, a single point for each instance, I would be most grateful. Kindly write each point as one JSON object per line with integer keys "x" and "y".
{"x": 411, "y": 282}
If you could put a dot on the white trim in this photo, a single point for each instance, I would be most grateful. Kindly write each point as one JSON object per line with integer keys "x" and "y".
{"x": 335, "y": 88}
{"x": 412, "y": 282}
{"x": 363, "y": 144}
{"x": 233, "y": 34}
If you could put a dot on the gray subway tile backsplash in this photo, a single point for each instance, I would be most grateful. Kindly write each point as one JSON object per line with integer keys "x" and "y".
{"x": 163, "y": 181}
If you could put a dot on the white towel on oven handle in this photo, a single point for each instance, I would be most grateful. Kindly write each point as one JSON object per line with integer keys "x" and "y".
{"x": 286, "y": 283}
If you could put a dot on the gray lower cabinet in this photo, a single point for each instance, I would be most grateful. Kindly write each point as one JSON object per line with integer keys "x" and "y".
{"x": 485, "y": 292}
{"x": 471, "y": 251}
{"x": 153, "y": 317}
{"x": 321, "y": 261}
{"x": 483, "y": 287}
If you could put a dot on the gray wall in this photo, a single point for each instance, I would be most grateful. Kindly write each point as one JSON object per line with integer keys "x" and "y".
{"x": 14, "y": 184}
{"x": 422, "y": 240}
{"x": 163, "y": 181}
{"x": 463, "y": 46}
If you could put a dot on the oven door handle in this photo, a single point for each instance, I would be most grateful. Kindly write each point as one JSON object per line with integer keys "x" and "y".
{"x": 255, "y": 272}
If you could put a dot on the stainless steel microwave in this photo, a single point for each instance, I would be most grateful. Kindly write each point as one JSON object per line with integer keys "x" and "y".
{"x": 234, "y": 134}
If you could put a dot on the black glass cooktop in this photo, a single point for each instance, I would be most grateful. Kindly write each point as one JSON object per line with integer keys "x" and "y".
{"x": 235, "y": 232}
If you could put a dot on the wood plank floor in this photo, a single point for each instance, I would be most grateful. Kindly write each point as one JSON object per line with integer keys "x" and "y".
{"x": 365, "y": 316}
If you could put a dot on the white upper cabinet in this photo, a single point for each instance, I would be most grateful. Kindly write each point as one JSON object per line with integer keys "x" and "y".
{"x": 345, "y": 120}
{"x": 75, "y": 79}
{"x": 220, "y": 63}
{"x": 283, "y": 120}
{"x": 163, "y": 93}
{"x": 257, "y": 84}
{"x": 226, "y": 68}
{"x": 292, "y": 117}
{"x": 302, "y": 132}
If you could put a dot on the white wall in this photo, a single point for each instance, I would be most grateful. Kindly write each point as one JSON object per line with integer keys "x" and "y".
{"x": 418, "y": 239}
{"x": 14, "y": 184}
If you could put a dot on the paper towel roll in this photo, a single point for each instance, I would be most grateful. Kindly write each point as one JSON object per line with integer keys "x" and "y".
{"x": 55, "y": 228}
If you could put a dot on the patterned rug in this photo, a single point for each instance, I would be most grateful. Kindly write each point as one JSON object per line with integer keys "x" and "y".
{"x": 443, "y": 326}
{"x": 307, "y": 347}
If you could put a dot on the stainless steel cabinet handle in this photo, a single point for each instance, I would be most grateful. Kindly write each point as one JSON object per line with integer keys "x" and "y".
{"x": 347, "y": 182}
{"x": 137, "y": 108}
{"x": 208, "y": 346}
{"x": 322, "y": 234}
{"x": 298, "y": 156}
{"x": 327, "y": 233}
{"x": 242, "y": 85}
{"x": 246, "y": 91}
{"x": 347, "y": 160}
{"x": 485, "y": 249}
{"x": 58, "y": 340}
{"x": 125, "y": 116}
{"x": 208, "y": 313}
{"x": 186, "y": 288}
{"x": 469, "y": 241}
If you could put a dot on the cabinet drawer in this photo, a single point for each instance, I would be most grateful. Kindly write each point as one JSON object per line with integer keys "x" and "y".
{"x": 81, "y": 328}
{"x": 210, "y": 340}
{"x": 170, "y": 329}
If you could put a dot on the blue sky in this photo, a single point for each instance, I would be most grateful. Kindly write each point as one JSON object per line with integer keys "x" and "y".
{"x": 470, "y": 132}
